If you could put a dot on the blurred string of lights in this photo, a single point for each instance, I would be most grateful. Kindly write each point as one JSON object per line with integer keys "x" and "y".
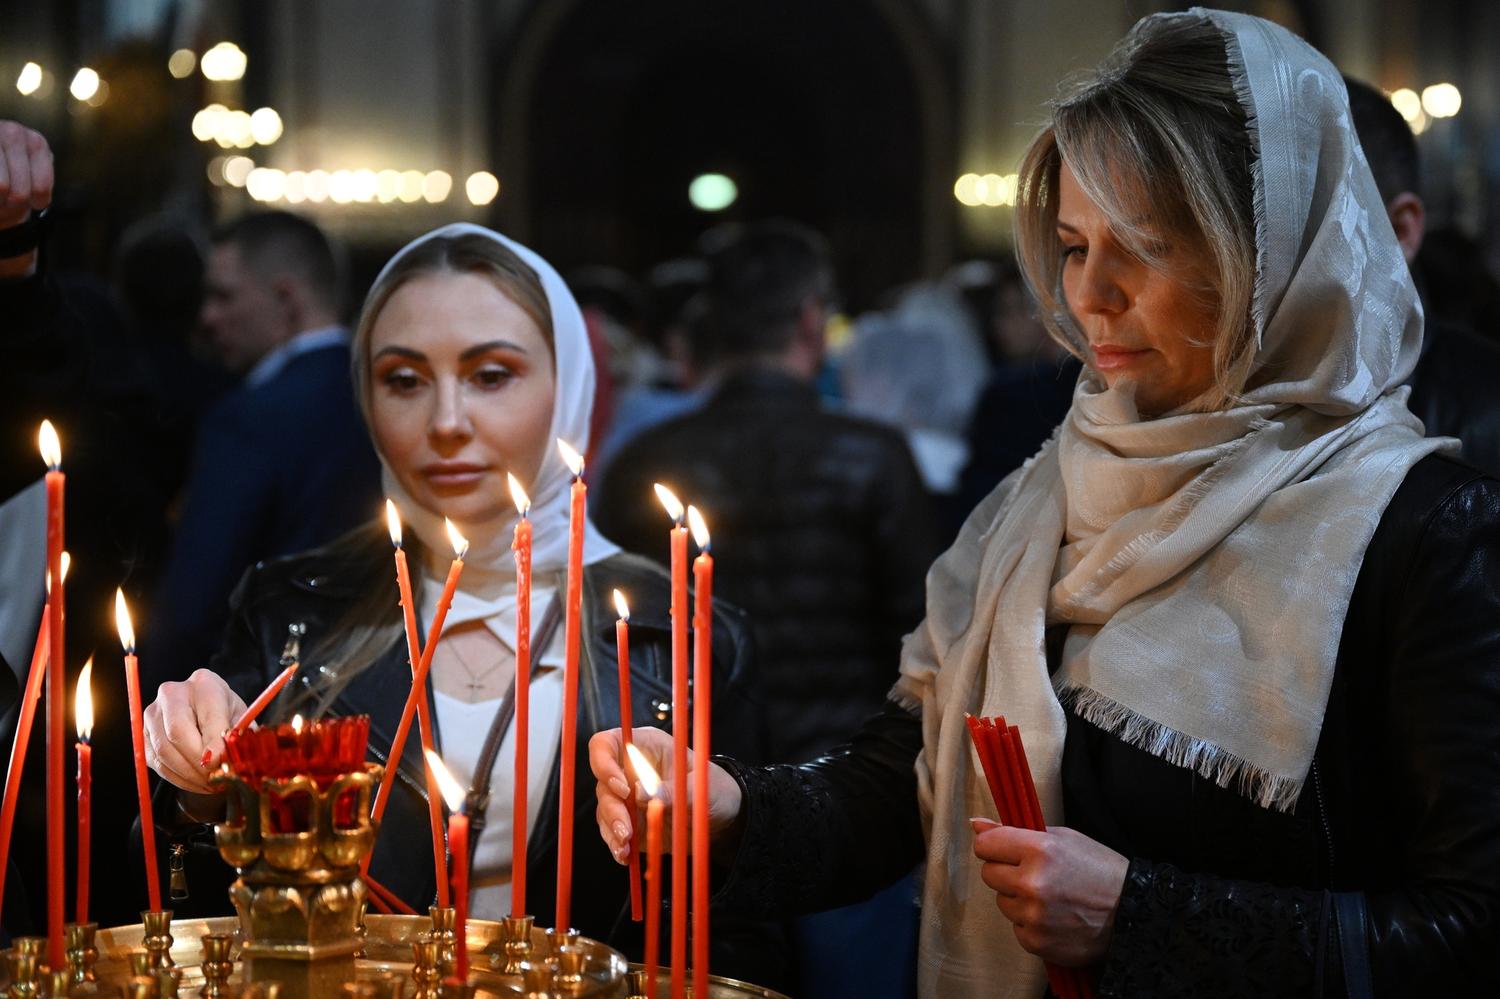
{"x": 343, "y": 187}
{"x": 989, "y": 190}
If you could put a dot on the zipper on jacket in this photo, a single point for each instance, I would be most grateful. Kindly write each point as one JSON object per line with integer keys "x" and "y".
{"x": 1323, "y": 816}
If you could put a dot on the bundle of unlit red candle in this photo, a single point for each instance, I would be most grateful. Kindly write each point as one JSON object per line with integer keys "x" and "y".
{"x": 1003, "y": 757}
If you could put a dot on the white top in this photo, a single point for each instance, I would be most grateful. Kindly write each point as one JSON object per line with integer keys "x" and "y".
{"x": 463, "y": 727}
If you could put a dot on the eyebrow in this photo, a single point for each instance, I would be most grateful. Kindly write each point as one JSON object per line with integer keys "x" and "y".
{"x": 475, "y": 351}
{"x": 1067, "y": 228}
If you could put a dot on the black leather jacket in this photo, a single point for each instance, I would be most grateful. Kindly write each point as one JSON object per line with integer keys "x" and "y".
{"x": 1385, "y": 880}
{"x": 316, "y": 589}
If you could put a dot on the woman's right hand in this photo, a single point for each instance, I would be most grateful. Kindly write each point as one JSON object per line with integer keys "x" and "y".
{"x": 617, "y": 808}
{"x": 186, "y": 720}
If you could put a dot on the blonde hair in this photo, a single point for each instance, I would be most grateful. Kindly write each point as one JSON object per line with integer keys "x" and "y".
{"x": 1157, "y": 138}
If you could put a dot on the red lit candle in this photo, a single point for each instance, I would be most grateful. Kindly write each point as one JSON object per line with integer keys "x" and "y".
{"x": 680, "y": 729}
{"x": 22, "y": 740}
{"x": 424, "y": 718}
{"x": 703, "y": 587}
{"x": 572, "y": 624}
{"x": 83, "y": 720}
{"x": 458, "y": 844}
{"x": 51, "y": 449}
{"x": 138, "y": 737}
{"x": 622, "y": 658}
{"x": 522, "y": 546}
{"x": 418, "y": 691}
{"x": 651, "y": 784}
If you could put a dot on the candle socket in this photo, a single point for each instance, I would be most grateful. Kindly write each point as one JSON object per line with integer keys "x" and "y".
{"x": 566, "y": 959}
{"x": 141, "y": 987}
{"x": 425, "y": 971}
{"x": 79, "y": 939}
{"x": 444, "y": 919}
{"x": 517, "y": 948}
{"x": 167, "y": 982}
{"x": 537, "y": 980}
{"x": 57, "y": 985}
{"x": 216, "y": 965}
{"x": 635, "y": 984}
{"x": 157, "y": 939}
{"x": 25, "y": 969}
{"x": 140, "y": 964}
{"x": 452, "y": 988}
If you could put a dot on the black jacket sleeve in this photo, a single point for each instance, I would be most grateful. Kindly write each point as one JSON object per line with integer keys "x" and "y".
{"x": 831, "y": 832}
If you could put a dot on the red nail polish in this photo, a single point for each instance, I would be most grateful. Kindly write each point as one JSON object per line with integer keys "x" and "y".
{"x": 208, "y": 754}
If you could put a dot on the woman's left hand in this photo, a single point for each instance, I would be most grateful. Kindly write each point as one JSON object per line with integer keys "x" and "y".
{"x": 1059, "y": 888}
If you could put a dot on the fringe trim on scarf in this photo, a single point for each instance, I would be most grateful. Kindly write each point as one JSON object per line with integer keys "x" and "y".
{"x": 1267, "y": 790}
{"x": 1239, "y": 78}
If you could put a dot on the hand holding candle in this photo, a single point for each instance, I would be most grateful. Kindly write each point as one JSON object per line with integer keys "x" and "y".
{"x": 458, "y": 845}
{"x": 138, "y": 738}
{"x": 622, "y": 659}
{"x": 83, "y": 720}
{"x": 651, "y": 785}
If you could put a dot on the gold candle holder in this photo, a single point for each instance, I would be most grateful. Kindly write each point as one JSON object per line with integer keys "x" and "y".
{"x": 57, "y": 984}
{"x": 452, "y": 988}
{"x": 425, "y": 971}
{"x": 444, "y": 920}
{"x": 537, "y": 980}
{"x": 517, "y": 948}
{"x": 157, "y": 938}
{"x": 31, "y": 946}
{"x": 216, "y": 965}
{"x": 298, "y": 846}
{"x": 168, "y": 980}
{"x": 25, "y": 968}
{"x": 140, "y": 964}
{"x": 635, "y": 985}
{"x": 566, "y": 958}
{"x": 83, "y": 954}
{"x": 141, "y": 987}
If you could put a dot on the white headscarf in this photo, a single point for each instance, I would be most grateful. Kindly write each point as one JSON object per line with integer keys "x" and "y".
{"x": 1203, "y": 562}
{"x": 487, "y": 590}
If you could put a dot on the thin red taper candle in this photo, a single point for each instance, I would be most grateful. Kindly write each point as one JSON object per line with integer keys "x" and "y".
{"x": 262, "y": 701}
{"x": 681, "y": 728}
{"x": 651, "y": 784}
{"x": 703, "y": 590}
{"x": 519, "y": 805}
{"x": 572, "y": 625}
{"x": 627, "y": 721}
{"x": 138, "y": 737}
{"x": 51, "y": 449}
{"x": 83, "y": 720}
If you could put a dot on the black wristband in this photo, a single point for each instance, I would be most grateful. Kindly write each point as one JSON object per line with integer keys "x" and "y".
{"x": 23, "y": 238}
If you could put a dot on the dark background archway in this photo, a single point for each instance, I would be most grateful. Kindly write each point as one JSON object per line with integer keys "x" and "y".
{"x": 812, "y": 108}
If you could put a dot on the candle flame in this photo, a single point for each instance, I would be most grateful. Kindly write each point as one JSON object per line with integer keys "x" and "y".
{"x": 460, "y": 543}
{"x": 83, "y": 702}
{"x": 644, "y": 771}
{"x": 66, "y": 561}
{"x": 522, "y": 501}
{"x": 699, "y": 527}
{"x": 571, "y": 458}
{"x": 49, "y": 445}
{"x": 393, "y": 522}
{"x": 453, "y": 792}
{"x": 621, "y": 606}
{"x": 297, "y": 724}
{"x": 670, "y": 501}
{"x": 122, "y": 622}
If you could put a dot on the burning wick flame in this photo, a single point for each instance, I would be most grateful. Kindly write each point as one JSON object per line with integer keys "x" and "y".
{"x": 122, "y": 622}
{"x": 49, "y": 445}
{"x": 670, "y": 501}
{"x": 83, "y": 702}
{"x": 571, "y": 458}
{"x": 699, "y": 527}
{"x": 297, "y": 724}
{"x": 522, "y": 501}
{"x": 621, "y": 606}
{"x": 393, "y": 522}
{"x": 453, "y": 793}
{"x": 460, "y": 543}
{"x": 644, "y": 771}
{"x": 66, "y": 561}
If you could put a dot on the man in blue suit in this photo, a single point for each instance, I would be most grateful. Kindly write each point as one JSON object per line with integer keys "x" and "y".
{"x": 283, "y": 463}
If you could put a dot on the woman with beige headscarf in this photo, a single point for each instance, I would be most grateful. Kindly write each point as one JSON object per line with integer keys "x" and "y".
{"x": 1244, "y": 614}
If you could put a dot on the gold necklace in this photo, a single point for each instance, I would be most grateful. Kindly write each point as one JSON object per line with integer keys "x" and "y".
{"x": 476, "y": 681}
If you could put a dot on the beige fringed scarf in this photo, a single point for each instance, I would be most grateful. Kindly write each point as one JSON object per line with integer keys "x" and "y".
{"x": 1204, "y": 562}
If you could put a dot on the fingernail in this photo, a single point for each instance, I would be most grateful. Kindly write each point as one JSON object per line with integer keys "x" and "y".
{"x": 618, "y": 785}
{"x": 621, "y": 833}
{"x": 208, "y": 754}
{"x": 980, "y": 825}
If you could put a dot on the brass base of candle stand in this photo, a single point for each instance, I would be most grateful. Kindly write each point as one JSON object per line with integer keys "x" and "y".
{"x": 388, "y": 943}
{"x": 718, "y": 988}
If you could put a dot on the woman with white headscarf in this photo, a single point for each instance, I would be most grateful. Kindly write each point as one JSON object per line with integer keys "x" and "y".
{"x": 1246, "y": 617}
{"x": 470, "y": 361}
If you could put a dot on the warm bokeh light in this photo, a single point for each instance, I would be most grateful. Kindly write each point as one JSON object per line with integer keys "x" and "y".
{"x": 699, "y": 527}
{"x": 363, "y": 185}
{"x": 712, "y": 192}
{"x": 296, "y": 187}
{"x": 518, "y": 494}
{"x": 266, "y": 184}
{"x": 1407, "y": 102}
{"x": 990, "y": 190}
{"x": 317, "y": 186}
{"x": 237, "y": 170}
{"x": 208, "y": 122}
{"x": 453, "y": 792}
{"x": 644, "y": 771}
{"x": 85, "y": 84}
{"x": 436, "y": 186}
{"x": 621, "y": 607}
{"x": 570, "y": 457}
{"x": 411, "y": 186}
{"x": 670, "y": 501}
{"x": 224, "y": 62}
{"x": 122, "y": 623}
{"x": 482, "y": 187}
{"x": 459, "y": 542}
{"x": 49, "y": 445}
{"x": 388, "y": 186}
{"x": 1441, "y": 100}
{"x": 265, "y": 126}
{"x": 393, "y": 523}
{"x": 30, "y": 79}
{"x": 83, "y": 702}
{"x": 182, "y": 63}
